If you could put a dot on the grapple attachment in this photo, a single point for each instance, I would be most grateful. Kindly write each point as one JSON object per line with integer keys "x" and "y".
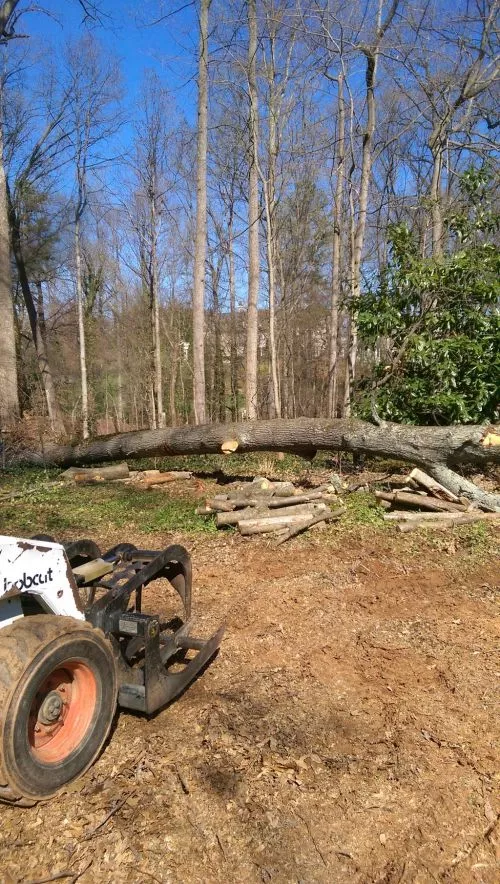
{"x": 156, "y": 660}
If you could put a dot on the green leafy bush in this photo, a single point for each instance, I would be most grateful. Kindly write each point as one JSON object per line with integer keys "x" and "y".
{"x": 440, "y": 320}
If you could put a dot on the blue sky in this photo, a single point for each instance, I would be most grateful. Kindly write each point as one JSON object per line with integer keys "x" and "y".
{"x": 169, "y": 46}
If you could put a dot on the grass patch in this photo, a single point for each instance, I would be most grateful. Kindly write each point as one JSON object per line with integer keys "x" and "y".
{"x": 81, "y": 508}
{"x": 238, "y": 465}
{"x": 363, "y": 509}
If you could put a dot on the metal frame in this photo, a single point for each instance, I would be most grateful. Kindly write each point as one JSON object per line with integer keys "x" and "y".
{"x": 149, "y": 684}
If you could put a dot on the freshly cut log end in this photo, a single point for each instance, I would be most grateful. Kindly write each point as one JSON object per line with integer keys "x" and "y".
{"x": 491, "y": 440}
{"x": 229, "y": 446}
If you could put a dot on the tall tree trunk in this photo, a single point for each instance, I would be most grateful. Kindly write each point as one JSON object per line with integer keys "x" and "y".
{"x": 53, "y": 407}
{"x": 9, "y": 398}
{"x": 155, "y": 319}
{"x": 36, "y": 320}
{"x": 336, "y": 252}
{"x": 233, "y": 343}
{"x": 435, "y": 198}
{"x": 219, "y": 380}
{"x": 359, "y": 234}
{"x": 372, "y": 56}
{"x": 253, "y": 221}
{"x": 81, "y": 331}
{"x": 269, "y": 189}
{"x": 174, "y": 366}
{"x": 199, "y": 396}
{"x": 119, "y": 379}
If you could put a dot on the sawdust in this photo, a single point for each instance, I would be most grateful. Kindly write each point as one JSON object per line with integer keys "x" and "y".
{"x": 347, "y": 731}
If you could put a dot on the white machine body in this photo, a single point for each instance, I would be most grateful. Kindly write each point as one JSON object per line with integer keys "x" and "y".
{"x": 39, "y": 570}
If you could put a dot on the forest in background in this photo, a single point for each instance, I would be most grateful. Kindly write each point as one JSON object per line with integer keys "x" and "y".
{"x": 319, "y": 241}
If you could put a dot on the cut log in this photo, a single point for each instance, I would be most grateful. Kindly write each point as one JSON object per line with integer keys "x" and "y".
{"x": 163, "y": 478}
{"x": 282, "y": 489}
{"x": 102, "y": 474}
{"x": 438, "y": 522}
{"x": 221, "y": 506}
{"x": 437, "y": 450}
{"x": 204, "y": 511}
{"x": 272, "y": 523}
{"x": 296, "y": 499}
{"x": 294, "y": 530}
{"x": 264, "y": 512}
{"x": 406, "y": 516}
{"x": 434, "y": 487}
{"x": 428, "y": 503}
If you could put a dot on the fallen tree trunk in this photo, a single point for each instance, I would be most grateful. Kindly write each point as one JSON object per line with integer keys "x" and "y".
{"x": 437, "y": 450}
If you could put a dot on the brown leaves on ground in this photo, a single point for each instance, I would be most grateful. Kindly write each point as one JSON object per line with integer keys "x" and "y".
{"x": 347, "y": 732}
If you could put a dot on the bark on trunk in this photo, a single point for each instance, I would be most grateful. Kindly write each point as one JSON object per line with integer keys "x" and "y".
{"x": 269, "y": 191}
{"x": 437, "y": 450}
{"x": 155, "y": 316}
{"x": 435, "y": 198}
{"x": 199, "y": 400}
{"x": 337, "y": 240}
{"x": 9, "y": 398}
{"x": 53, "y": 407}
{"x": 233, "y": 343}
{"x": 253, "y": 222}
{"x": 81, "y": 331}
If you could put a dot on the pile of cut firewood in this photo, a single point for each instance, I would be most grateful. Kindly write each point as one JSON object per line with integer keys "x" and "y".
{"x": 428, "y": 504}
{"x": 277, "y": 508}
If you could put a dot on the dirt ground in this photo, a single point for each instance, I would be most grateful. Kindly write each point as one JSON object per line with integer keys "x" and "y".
{"x": 347, "y": 731}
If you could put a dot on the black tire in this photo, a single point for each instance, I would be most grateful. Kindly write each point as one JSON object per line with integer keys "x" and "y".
{"x": 52, "y": 666}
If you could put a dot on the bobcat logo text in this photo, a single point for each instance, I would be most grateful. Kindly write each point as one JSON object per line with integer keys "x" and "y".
{"x": 27, "y": 581}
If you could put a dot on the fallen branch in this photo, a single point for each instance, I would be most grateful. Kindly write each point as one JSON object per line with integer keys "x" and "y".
{"x": 118, "y": 806}
{"x": 430, "y": 503}
{"x": 407, "y": 516}
{"x": 439, "y": 522}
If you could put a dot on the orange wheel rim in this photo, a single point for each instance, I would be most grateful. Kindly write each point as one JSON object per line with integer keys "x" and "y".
{"x": 61, "y": 712}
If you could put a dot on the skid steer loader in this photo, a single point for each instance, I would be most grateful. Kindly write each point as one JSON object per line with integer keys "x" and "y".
{"x": 74, "y": 645}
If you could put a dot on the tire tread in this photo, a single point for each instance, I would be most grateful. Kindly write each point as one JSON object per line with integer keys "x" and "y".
{"x": 20, "y": 643}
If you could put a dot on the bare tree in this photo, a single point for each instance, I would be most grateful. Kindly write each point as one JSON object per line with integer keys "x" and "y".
{"x": 253, "y": 219}
{"x": 336, "y": 251}
{"x": 371, "y": 51}
{"x": 459, "y": 64}
{"x": 93, "y": 84}
{"x": 146, "y": 212}
{"x": 199, "y": 394}
{"x": 28, "y": 196}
